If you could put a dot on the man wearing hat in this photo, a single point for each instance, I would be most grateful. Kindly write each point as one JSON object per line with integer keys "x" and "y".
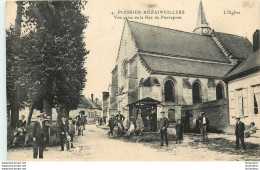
{"x": 163, "y": 125}
{"x": 240, "y": 128}
{"x": 39, "y": 136}
{"x": 111, "y": 124}
{"x": 120, "y": 119}
{"x": 80, "y": 123}
{"x": 204, "y": 124}
{"x": 47, "y": 123}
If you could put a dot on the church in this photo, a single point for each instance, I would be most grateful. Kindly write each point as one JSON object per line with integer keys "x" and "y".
{"x": 163, "y": 69}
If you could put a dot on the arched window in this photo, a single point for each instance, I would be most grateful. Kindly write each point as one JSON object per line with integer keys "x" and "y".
{"x": 220, "y": 91}
{"x": 169, "y": 91}
{"x": 196, "y": 93}
{"x": 124, "y": 71}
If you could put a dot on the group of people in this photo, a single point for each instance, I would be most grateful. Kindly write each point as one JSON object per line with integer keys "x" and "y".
{"x": 21, "y": 134}
{"x": 182, "y": 126}
{"x": 116, "y": 121}
{"x": 100, "y": 120}
{"x": 41, "y": 131}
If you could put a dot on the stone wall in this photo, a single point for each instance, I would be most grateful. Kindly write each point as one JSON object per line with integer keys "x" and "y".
{"x": 216, "y": 111}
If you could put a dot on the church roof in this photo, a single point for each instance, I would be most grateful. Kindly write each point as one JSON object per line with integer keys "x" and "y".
{"x": 166, "y": 41}
{"x": 239, "y": 47}
{"x": 172, "y": 65}
{"x": 250, "y": 65}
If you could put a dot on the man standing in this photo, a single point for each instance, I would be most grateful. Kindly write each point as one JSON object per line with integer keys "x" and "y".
{"x": 111, "y": 124}
{"x": 38, "y": 135}
{"x": 204, "y": 124}
{"x": 80, "y": 123}
{"x": 63, "y": 133}
{"x": 47, "y": 123}
{"x": 240, "y": 128}
{"x": 153, "y": 120}
{"x": 164, "y": 123}
{"x": 120, "y": 118}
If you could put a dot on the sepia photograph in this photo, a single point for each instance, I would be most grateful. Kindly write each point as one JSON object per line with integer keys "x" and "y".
{"x": 133, "y": 80}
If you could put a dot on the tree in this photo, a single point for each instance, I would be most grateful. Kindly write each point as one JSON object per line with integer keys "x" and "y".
{"x": 14, "y": 92}
{"x": 54, "y": 54}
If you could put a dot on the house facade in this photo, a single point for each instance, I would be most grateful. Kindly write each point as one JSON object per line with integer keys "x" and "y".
{"x": 90, "y": 106}
{"x": 244, "y": 91}
{"x": 173, "y": 67}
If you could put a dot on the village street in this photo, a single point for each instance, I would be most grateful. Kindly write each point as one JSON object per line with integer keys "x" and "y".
{"x": 98, "y": 146}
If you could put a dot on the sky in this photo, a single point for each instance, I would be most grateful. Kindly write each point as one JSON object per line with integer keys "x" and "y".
{"x": 103, "y": 33}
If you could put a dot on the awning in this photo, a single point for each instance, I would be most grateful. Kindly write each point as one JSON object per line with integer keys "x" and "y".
{"x": 146, "y": 100}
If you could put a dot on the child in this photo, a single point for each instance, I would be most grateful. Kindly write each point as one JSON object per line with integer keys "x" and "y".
{"x": 179, "y": 131}
{"x": 71, "y": 133}
{"x": 131, "y": 129}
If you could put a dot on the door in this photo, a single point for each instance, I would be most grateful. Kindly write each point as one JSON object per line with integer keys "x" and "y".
{"x": 171, "y": 116}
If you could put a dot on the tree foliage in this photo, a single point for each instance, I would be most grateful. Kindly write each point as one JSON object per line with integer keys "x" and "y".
{"x": 51, "y": 64}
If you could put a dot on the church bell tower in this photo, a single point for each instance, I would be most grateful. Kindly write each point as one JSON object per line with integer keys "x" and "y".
{"x": 202, "y": 26}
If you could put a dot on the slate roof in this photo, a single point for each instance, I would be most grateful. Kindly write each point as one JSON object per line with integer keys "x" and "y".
{"x": 239, "y": 47}
{"x": 184, "y": 67}
{"x": 252, "y": 63}
{"x": 167, "y": 41}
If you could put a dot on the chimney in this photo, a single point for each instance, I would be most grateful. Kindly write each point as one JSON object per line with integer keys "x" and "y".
{"x": 105, "y": 95}
{"x": 256, "y": 40}
{"x": 92, "y": 96}
{"x": 96, "y": 100}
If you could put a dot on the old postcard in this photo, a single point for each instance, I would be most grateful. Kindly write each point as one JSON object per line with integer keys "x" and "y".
{"x": 146, "y": 80}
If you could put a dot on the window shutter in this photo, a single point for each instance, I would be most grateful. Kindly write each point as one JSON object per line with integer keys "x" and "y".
{"x": 245, "y": 101}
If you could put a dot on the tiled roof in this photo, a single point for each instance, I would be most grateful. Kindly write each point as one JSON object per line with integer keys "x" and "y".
{"x": 252, "y": 63}
{"x": 186, "y": 67}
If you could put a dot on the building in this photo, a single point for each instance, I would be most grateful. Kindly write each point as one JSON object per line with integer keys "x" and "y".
{"x": 90, "y": 107}
{"x": 164, "y": 69}
{"x": 244, "y": 91}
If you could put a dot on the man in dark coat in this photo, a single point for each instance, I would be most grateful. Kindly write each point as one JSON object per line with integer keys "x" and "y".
{"x": 163, "y": 125}
{"x": 120, "y": 118}
{"x": 240, "y": 128}
{"x": 80, "y": 123}
{"x": 111, "y": 124}
{"x": 39, "y": 136}
{"x": 204, "y": 125}
{"x": 63, "y": 133}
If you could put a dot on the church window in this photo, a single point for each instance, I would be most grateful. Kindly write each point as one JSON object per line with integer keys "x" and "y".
{"x": 220, "y": 92}
{"x": 169, "y": 91}
{"x": 196, "y": 93}
{"x": 125, "y": 69}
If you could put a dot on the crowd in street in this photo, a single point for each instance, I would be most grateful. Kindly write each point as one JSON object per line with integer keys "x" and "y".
{"x": 69, "y": 127}
{"x": 182, "y": 126}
